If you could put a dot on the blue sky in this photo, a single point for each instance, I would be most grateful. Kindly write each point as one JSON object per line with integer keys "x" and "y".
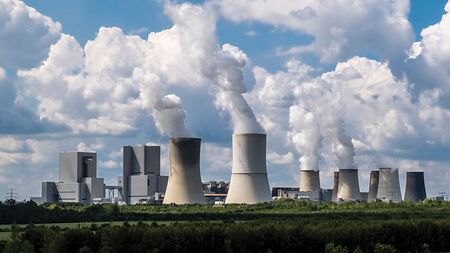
{"x": 386, "y": 83}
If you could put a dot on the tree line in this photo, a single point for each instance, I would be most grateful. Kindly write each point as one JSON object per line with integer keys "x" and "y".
{"x": 228, "y": 236}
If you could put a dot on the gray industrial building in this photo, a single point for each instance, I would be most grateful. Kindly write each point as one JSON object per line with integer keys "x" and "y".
{"x": 77, "y": 182}
{"x": 141, "y": 177}
{"x": 415, "y": 186}
{"x": 185, "y": 184}
{"x": 249, "y": 183}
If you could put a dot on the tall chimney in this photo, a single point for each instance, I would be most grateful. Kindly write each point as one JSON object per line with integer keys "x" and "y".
{"x": 348, "y": 188}
{"x": 309, "y": 181}
{"x": 185, "y": 185}
{"x": 373, "y": 185}
{"x": 249, "y": 183}
{"x": 334, "y": 197}
{"x": 415, "y": 186}
{"x": 389, "y": 185}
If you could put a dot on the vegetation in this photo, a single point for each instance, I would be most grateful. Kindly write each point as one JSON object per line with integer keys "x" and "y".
{"x": 279, "y": 226}
{"x": 30, "y": 213}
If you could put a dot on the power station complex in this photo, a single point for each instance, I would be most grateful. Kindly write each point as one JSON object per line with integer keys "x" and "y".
{"x": 141, "y": 179}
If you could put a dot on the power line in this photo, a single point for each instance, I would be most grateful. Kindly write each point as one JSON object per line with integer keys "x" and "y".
{"x": 11, "y": 194}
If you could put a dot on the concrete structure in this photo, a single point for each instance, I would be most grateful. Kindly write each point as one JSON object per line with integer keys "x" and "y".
{"x": 334, "y": 195}
{"x": 185, "y": 185}
{"x": 78, "y": 180}
{"x": 373, "y": 185}
{"x": 415, "y": 186}
{"x": 249, "y": 182}
{"x": 348, "y": 188}
{"x": 309, "y": 181}
{"x": 389, "y": 185}
{"x": 141, "y": 177}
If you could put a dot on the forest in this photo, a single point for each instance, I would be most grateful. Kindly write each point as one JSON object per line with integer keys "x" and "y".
{"x": 278, "y": 226}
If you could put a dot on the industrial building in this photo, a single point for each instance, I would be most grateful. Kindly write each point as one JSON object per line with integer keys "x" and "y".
{"x": 415, "y": 186}
{"x": 389, "y": 185}
{"x": 78, "y": 180}
{"x": 249, "y": 183}
{"x": 141, "y": 179}
{"x": 348, "y": 186}
{"x": 373, "y": 185}
{"x": 309, "y": 181}
{"x": 185, "y": 185}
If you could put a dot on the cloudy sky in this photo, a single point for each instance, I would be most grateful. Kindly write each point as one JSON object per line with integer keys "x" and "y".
{"x": 334, "y": 84}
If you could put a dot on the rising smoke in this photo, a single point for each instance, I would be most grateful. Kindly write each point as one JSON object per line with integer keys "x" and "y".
{"x": 221, "y": 65}
{"x": 306, "y": 136}
{"x": 317, "y": 114}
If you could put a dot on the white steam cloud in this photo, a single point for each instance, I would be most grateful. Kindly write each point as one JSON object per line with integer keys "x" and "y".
{"x": 317, "y": 114}
{"x": 306, "y": 136}
{"x": 221, "y": 65}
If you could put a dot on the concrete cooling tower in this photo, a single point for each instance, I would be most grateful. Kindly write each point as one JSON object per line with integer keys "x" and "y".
{"x": 373, "y": 185}
{"x": 348, "y": 188}
{"x": 415, "y": 186}
{"x": 309, "y": 181}
{"x": 334, "y": 197}
{"x": 249, "y": 183}
{"x": 389, "y": 185}
{"x": 185, "y": 185}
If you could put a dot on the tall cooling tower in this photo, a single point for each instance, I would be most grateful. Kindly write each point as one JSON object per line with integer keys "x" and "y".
{"x": 389, "y": 185}
{"x": 185, "y": 185}
{"x": 334, "y": 197}
{"x": 309, "y": 181}
{"x": 415, "y": 186}
{"x": 348, "y": 188}
{"x": 249, "y": 183}
{"x": 373, "y": 185}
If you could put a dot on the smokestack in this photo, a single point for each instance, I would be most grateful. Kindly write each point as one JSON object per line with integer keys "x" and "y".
{"x": 249, "y": 183}
{"x": 389, "y": 185}
{"x": 373, "y": 185}
{"x": 348, "y": 188}
{"x": 309, "y": 181}
{"x": 185, "y": 185}
{"x": 334, "y": 197}
{"x": 415, "y": 186}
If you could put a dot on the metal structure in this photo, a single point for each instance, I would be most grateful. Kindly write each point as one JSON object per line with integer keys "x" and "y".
{"x": 185, "y": 185}
{"x": 373, "y": 185}
{"x": 249, "y": 182}
{"x": 141, "y": 177}
{"x": 309, "y": 181}
{"x": 415, "y": 186}
{"x": 389, "y": 185}
{"x": 334, "y": 195}
{"x": 348, "y": 188}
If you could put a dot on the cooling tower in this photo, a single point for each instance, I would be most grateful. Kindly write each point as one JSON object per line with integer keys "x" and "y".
{"x": 249, "y": 183}
{"x": 334, "y": 197}
{"x": 389, "y": 185}
{"x": 348, "y": 188}
{"x": 415, "y": 186}
{"x": 373, "y": 185}
{"x": 185, "y": 185}
{"x": 309, "y": 181}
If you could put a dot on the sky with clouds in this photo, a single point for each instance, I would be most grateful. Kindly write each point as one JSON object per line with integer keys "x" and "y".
{"x": 333, "y": 84}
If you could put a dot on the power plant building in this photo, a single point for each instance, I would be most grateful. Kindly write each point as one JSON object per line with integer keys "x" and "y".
{"x": 141, "y": 177}
{"x": 309, "y": 181}
{"x": 415, "y": 186}
{"x": 389, "y": 185}
{"x": 185, "y": 185}
{"x": 249, "y": 183}
{"x": 348, "y": 187}
{"x": 78, "y": 180}
{"x": 334, "y": 195}
{"x": 373, "y": 185}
